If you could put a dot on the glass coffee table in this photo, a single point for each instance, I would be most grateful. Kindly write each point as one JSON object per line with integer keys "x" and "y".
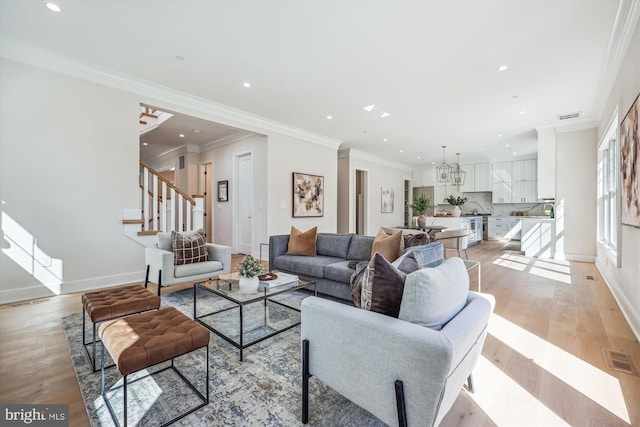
{"x": 245, "y": 319}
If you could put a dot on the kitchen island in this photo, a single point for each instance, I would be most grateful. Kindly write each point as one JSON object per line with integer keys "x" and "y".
{"x": 471, "y": 223}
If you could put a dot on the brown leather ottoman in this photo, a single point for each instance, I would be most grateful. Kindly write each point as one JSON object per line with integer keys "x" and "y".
{"x": 146, "y": 339}
{"x": 108, "y": 304}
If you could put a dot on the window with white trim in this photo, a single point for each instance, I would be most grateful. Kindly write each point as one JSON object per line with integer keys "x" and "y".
{"x": 608, "y": 172}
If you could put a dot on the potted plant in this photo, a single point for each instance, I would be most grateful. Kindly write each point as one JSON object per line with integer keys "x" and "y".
{"x": 249, "y": 268}
{"x": 420, "y": 205}
{"x": 456, "y": 202}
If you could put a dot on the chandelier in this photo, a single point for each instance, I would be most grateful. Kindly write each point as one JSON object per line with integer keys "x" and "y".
{"x": 443, "y": 170}
{"x": 457, "y": 174}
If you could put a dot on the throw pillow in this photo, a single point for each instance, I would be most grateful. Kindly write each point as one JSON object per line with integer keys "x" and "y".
{"x": 189, "y": 248}
{"x": 382, "y": 286}
{"x": 302, "y": 243}
{"x": 433, "y": 296}
{"x": 389, "y": 246}
{"x": 416, "y": 240}
{"x": 356, "y": 282}
{"x": 407, "y": 263}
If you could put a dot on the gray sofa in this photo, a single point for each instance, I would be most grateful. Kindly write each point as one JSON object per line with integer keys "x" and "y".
{"x": 330, "y": 269}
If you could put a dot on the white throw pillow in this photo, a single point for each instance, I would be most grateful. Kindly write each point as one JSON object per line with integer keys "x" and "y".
{"x": 433, "y": 296}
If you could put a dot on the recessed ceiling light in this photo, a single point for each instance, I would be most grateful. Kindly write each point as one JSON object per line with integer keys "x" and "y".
{"x": 54, "y": 7}
{"x": 145, "y": 143}
{"x": 523, "y": 112}
{"x": 369, "y": 108}
{"x": 196, "y": 131}
{"x": 179, "y": 58}
{"x": 181, "y": 135}
{"x": 402, "y": 151}
{"x": 329, "y": 117}
{"x": 385, "y": 140}
{"x": 419, "y": 158}
{"x": 515, "y": 152}
{"x": 433, "y": 163}
{"x": 246, "y": 84}
{"x": 385, "y": 114}
{"x": 499, "y": 135}
{"x": 502, "y": 68}
{"x": 508, "y": 146}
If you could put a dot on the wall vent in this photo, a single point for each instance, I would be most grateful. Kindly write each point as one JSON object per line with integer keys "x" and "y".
{"x": 618, "y": 361}
{"x": 589, "y": 277}
{"x": 23, "y": 303}
{"x": 569, "y": 116}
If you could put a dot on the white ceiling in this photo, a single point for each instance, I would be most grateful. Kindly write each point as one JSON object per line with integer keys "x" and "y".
{"x": 431, "y": 64}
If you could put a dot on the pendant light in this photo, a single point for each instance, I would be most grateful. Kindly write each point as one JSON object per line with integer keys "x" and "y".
{"x": 443, "y": 171}
{"x": 457, "y": 174}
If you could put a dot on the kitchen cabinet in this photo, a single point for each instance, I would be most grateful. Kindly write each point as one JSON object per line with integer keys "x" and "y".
{"x": 442, "y": 192}
{"x": 478, "y": 178}
{"x": 482, "y": 177}
{"x": 538, "y": 237}
{"x": 501, "y": 172}
{"x": 469, "y": 181}
{"x": 514, "y": 182}
{"x": 498, "y": 228}
{"x": 524, "y": 192}
{"x": 501, "y": 192}
{"x": 473, "y": 224}
{"x": 424, "y": 177}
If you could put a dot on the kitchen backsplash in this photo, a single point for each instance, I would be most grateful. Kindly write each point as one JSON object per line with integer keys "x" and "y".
{"x": 482, "y": 203}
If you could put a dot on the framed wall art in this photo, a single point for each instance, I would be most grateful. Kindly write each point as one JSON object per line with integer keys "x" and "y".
{"x": 308, "y": 195}
{"x": 386, "y": 200}
{"x": 223, "y": 191}
{"x": 630, "y": 166}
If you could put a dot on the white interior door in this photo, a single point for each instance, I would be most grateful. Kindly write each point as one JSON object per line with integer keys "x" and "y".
{"x": 245, "y": 204}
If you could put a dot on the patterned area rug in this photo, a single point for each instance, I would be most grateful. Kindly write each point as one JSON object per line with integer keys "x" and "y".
{"x": 263, "y": 390}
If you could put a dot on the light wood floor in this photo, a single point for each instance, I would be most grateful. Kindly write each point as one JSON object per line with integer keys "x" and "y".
{"x": 542, "y": 362}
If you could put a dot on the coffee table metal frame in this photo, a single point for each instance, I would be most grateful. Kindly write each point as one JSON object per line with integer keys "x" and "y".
{"x": 230, "y": 291}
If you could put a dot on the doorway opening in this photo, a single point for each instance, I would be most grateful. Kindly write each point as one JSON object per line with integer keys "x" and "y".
{"x": 361, "y": 201}
{"x": 243, "y": 203}
{"x": 206, "y": 184}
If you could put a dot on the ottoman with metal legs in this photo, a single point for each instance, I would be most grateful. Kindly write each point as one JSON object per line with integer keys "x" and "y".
{"x": 143, "y": 340}
{"x": 112, "y": 303}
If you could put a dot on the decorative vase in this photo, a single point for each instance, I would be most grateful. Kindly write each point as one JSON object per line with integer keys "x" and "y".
{"x": 422, "y": 221}
{"x": 249, "y": 285}
{"x": 456, "y": 211}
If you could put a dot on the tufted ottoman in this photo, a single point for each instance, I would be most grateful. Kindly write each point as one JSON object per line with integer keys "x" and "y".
{"x": 146, "y": 339}
{"x": 108, "y": 304}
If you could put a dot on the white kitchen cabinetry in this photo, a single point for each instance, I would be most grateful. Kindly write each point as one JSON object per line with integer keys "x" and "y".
{"x": 442, "y": 192}
{"x": 498, "y": 228}
{"x": 469, "y": 180}
{"x": 501, "y": 192}
{"x": 538, "y": 237}
{"x": 424, "y": 177}
{"x": 515, "y": 182}
{"x": 482, "y": 177}
{"x": 478, "y": 178}
{"x": 473, "y": 224}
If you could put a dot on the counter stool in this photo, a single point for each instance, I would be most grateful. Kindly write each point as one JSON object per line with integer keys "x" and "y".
{"x": 143, "y": 340}
{"x": 111, "y": 303}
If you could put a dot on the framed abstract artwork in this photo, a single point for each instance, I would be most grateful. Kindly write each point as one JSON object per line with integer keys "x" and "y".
{"x": 630, "y": 166}
{"x": 223, "y": 191}
{"x": 386, "y": 198}
{"x": 308, "y": 195}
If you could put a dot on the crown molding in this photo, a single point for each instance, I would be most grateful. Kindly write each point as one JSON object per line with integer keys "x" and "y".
{"x": 226, "y": 140}
{"x": 569, "y": 126}
{"x": 361, "y": 155}
{"x": 47, "y": 59}
{"x": 624, "y": 26}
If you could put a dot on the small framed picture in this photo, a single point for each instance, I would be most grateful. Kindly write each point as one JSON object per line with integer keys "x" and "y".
{"x": 223, "y": 191}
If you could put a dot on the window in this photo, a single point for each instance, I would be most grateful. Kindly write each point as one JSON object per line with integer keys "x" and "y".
{"x": 608, "y": 172}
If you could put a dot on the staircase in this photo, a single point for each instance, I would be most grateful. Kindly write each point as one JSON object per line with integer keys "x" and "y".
{"x": 170, "y": 208}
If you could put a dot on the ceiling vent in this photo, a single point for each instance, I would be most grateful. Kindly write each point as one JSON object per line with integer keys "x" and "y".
{"x": 569, "y": 116}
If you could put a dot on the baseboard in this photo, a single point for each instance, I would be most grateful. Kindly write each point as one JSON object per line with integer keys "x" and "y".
{"x": 633, "y": 318}
{"x": 41, "y": 291}
{"x": 579, "y": 258}
{"x": 102, "y": 282}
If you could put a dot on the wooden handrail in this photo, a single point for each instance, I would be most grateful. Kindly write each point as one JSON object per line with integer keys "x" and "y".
{"x": 166, "y": 181}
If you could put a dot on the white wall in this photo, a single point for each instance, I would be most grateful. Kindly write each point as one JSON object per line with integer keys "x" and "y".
{"x": 624, "y": 281}
{"x": 56, "y": 187}
{"x": 380, "y": 174}
{"x": 223, "y": 160}
{"x": 576, "y": 194}
{"x": 343, "y": 193}
{"x": 286, "y": 155}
